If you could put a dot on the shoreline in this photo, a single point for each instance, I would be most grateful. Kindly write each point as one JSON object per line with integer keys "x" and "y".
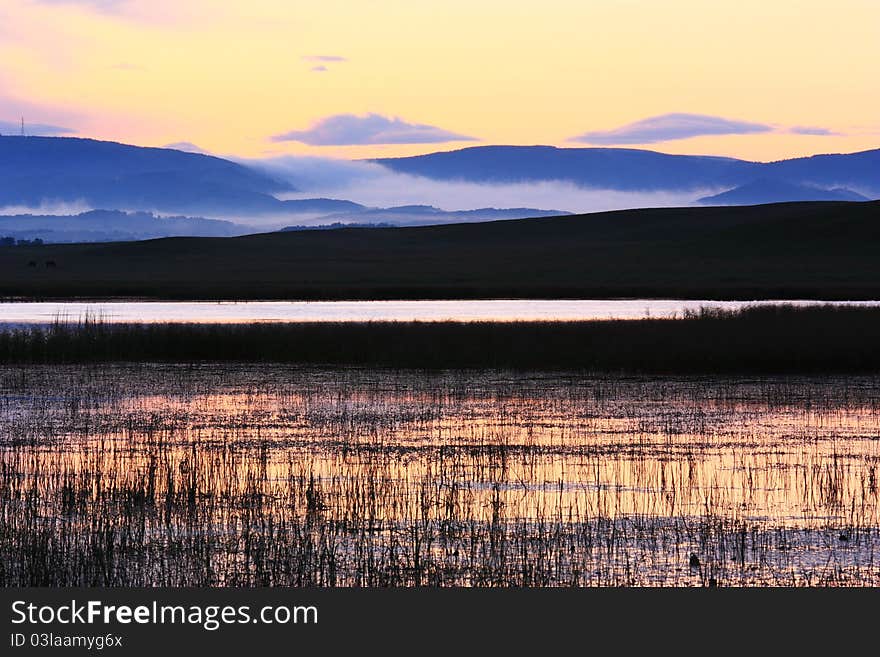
{"x": 766, "y": 340}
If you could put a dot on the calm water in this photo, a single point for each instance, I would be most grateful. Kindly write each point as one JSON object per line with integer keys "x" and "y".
{"x": 358, "y": 311}
{"x": 270, "y": 475}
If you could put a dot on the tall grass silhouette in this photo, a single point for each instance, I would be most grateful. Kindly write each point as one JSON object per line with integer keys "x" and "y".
{"x": 279, "y": 475}
{"x": 769, "y": 339}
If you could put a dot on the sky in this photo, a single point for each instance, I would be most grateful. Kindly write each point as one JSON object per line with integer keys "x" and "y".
{"x": 754, "y": 79}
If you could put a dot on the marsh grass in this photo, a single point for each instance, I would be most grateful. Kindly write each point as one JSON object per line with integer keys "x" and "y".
{"x": 767, "y": 339}
{"x": 273, "y": 475}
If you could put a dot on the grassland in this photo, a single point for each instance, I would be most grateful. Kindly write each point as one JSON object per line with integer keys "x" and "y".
{"x": 767, "y": 339}
{"x": 795, "y": 250}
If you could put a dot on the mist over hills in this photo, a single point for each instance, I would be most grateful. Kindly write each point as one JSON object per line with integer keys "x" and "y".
{"x": 858, "y": 171}
{"x": 605, "y": 168}
{"x": 632, "y": 170}
{"x": 112, "y": 225}
{"x": 415, "y": 215}
{"x": 68, "y": 175}
{"x": 779, "y": 191}
{"x": 49, "y": 181}
{"x": 101, "y": 174}
{"x": 119, "y": 226}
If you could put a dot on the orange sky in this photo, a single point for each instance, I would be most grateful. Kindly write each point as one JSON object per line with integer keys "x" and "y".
{"x": 227, "y": 75}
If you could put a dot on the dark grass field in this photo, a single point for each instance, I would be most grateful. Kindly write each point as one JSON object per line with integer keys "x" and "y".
{"x": 792, "y": 250}
{"x": 769, "y": 339}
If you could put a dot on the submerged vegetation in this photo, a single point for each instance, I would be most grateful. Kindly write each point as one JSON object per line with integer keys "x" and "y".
{"x": 767, "y": 339}
{"x": 262, "y": 475}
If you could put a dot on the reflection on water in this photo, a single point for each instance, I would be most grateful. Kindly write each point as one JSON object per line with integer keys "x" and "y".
{"x": 263, "y": 475}
{"x": 367, "y": 311}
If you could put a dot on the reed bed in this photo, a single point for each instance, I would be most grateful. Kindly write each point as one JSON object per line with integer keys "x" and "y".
{"x": 215, "y": 474}
{"x": 773, "y": 339}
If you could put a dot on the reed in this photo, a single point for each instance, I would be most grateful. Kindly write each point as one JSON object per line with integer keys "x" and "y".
{"x": 767, "y": 339}
{"x": 275, "y": 475}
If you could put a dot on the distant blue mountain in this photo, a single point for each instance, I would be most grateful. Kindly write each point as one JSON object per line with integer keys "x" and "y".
{"x": 605, "y": 168}
{"x": 319, "y": 206}
{"x": 779, "y": 191}
{"x": 854, "y": 170}
{"x": 117, "y": 226}
{"x": 111, "y": 175}
{"x": 338, "y": 225}
{"x": 631, "y": 170}
{"x": 423, "y": 215}
{"x": 35, "y": 171}
{"x": 112, "y": 225}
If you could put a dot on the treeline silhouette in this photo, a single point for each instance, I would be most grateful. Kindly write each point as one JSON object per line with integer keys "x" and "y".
{"x": 767, "y": 339}
{"x": 12, "y": 241}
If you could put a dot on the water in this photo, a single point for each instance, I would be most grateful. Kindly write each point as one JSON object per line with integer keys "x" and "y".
{"x": 255, "y": 475}
{"x": 363, "y": 311}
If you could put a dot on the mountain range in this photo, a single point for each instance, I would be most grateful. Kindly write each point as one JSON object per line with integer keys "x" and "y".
{"x": 111, "y": 226}
{"x": 57, "y": 171}
{"x": 778, "y": 191}
{"x": 119, "y": 226}
{"x": 639, "y": 170}
{"x": 142, "y": 184}
{"x": 37, "y": 170}
{"x": 415, "y": 215}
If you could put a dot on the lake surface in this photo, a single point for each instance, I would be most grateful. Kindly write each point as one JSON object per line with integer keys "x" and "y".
{"x": 362, "y": 311}
{"x": 258, "y": 475}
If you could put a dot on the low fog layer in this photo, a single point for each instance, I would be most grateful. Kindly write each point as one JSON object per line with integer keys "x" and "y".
{"x": 47, "y": 207}
{"x": 373, "y": 185}
{"x": 66, "y": 177}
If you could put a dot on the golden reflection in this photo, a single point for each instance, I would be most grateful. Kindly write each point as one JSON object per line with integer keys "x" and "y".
{"x": 601, "y": 481}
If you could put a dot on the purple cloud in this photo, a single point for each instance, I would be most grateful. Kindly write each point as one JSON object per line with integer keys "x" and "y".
{"x": 319, "y": 69}
{"x": 352, "y": 130}
{"x": 155, "y": 12}
{"x": 668, "y": 127}
{"x": 811, "y": 130}
{"x": 100, "y": 5}
{"x": 324, "y": 58}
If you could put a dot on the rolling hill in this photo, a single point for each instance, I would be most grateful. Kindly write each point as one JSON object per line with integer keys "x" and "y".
{"x": 604, "y": 168}
{"x": 793, "y": 250}
{"x": 112, "y": 225}
{"x": 118, "y": 226}
{"x": 859, "y": 171}
{"x": 779, "y": 191}
{"x": 416, "y": 215}
{"x": 118, "y": 176}
{"x": 42, "y": 172}
{"x": 638, "y": 170}
{"x": 58, "y": 171}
